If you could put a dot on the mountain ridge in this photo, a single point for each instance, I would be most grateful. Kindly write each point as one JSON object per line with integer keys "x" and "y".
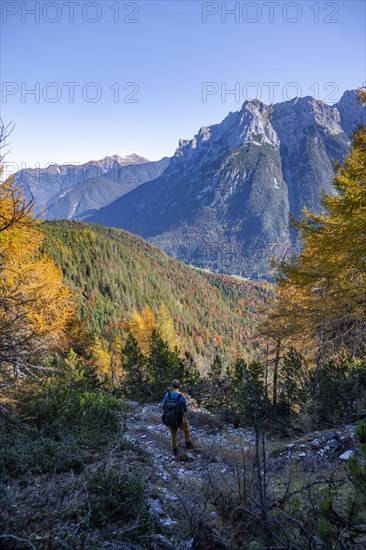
{"x": 232, "y": 186}
{"x": 75, "y": 191}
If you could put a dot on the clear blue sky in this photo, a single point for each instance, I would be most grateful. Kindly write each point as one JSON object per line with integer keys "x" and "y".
{"x": 169, "y": 52}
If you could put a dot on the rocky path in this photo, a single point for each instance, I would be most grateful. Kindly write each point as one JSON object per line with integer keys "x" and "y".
{"x": 188, "y": 493}
{"x": 181, "y": 489}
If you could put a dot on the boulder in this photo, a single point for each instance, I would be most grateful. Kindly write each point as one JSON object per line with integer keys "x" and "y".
{"x": 333, "y": 445}
{"x": 347, "y": 455}
{"x": 155, "y": 507}
{"x": 330, "y": 435}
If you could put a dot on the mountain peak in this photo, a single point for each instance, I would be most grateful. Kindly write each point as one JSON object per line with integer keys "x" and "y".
{"x": 133, "y": 158}
{"x": 349, "y": 95}
{"x": 291, "y": 119}
{"x": 255, "y": 102}
{"x": 238, "y": 128}
{"x": 351, "y": 110}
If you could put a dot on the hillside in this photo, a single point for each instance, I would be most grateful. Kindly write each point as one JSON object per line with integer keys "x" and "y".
{"x": 114, "y": 272}
{"x": 223, "y": 202}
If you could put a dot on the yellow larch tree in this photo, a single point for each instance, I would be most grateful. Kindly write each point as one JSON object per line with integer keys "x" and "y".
{"x": 320, "y": 305}
{"x": 35, "y": 306}
{"x": 141, "y": 327}
{"x": 166, "y": 326}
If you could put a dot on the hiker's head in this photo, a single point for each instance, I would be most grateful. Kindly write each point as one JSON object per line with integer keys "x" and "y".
{"x": 176, "y": 384}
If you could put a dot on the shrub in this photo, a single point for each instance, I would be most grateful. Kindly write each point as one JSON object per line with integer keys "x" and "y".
{"x": 114, "y": 497}
{"x": 21, "y": 455}
{"x": 60, "y": 419}
{"x": 341, "y": 389}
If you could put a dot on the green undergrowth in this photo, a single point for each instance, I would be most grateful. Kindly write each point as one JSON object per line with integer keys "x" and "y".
{"x": 68, "y": 476}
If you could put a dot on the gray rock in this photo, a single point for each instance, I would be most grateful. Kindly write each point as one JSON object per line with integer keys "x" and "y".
{"x": 133, "y": 404}
{"x": 330, "y": 435}
{"x": 213, "y": 515}
{"x": 172, "y": 497}
{"x": 334, "y": 445}
{"x": 315, "y": 444}
{"x": 347, "y": 455}
{"x": 168, "y": 522}
{"x": 155, "y": 507}
{"x": 302, "y": 455}
{"x": 290, "y": 446}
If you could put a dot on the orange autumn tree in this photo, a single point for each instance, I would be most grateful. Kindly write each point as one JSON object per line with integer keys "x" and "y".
{"x": 35, "y": 306}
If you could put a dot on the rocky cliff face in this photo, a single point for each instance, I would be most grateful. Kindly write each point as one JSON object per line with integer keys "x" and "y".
{"x": 224, "y": 200}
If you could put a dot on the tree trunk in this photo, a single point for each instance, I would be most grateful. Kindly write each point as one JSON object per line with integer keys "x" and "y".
{"x": 275, "y": 372}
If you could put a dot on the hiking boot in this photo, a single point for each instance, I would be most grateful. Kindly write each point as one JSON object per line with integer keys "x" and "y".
{"x": 175, "y": 452}
{"x": 189, "y": 445}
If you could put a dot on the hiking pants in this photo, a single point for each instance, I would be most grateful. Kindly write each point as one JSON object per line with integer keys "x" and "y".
{"x": 174, "y": 432}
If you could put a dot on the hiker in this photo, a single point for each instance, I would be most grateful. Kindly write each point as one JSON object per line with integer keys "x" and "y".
{"x": 175, "y": 416}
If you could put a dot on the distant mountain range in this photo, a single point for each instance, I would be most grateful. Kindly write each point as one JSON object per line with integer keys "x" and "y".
{"x": 223, "y": 200}
{"x": 76, "y": 191}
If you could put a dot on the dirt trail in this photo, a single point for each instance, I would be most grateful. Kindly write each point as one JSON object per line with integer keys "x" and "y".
{"x": 180, "y": 489}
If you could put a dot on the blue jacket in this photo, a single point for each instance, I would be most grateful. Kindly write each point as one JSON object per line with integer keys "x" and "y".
{"x": 175, "y": 395}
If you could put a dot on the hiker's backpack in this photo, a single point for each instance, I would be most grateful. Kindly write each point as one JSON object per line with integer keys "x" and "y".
{"x": 173, "y": 411}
